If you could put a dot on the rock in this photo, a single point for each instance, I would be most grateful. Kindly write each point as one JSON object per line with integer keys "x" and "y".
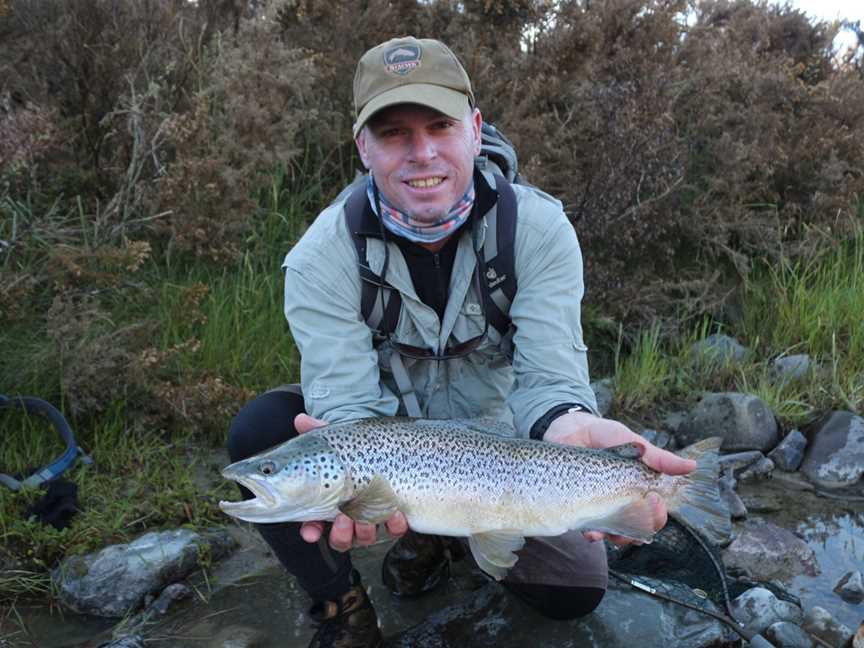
{"x": 858, "y": 639}
{"x": 762, "y": 503}
{"x": 116, "y": 580}
{"x": 757, "y": 470}
{"x": 766, "y": 552}
{"x": 237, "y": 636}
{"x": 851, "y": 587}
{"x": 738, "y": 461}
{"x": 604, "y": 392}
{"x": 820, "y": 623}
{"x": 660, "y": 439}
{"x": 835, "y": 457}
{"x": 718, "y": 349}
{"x": 672, "y": 421}
{"x": 791, "y": 367}
{"x": 742, "y": 420}
{"x": 132, "y": 641}
{"x": 167, "y": 597}
{"x": 788, "y": 635}
{"x": 789, "y": 453}
{"x": 758, "y": 609}
{"x": 490, "y": 618}
{"x": 737, "y": 508}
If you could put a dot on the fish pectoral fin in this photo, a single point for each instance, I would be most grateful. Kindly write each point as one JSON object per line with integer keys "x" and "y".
{"x": 374, "y": 504}
{"x": 633, "y": 520}
{"x": 494, "y": 551}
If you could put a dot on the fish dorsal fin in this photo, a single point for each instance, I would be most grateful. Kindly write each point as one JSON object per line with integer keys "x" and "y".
{"x": 626, "y": 450}
{"x": 374, "y": 504}
{"x": 494, "y": 551}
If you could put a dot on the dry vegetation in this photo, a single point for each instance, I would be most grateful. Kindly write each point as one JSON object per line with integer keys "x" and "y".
{"x": 158, "y": 157}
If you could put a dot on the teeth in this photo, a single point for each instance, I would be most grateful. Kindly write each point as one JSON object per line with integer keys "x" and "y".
{"x": 426, "y": 182}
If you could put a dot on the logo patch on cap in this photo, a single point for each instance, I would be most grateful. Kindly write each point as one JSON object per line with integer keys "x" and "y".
{"x": 402, "y": 59}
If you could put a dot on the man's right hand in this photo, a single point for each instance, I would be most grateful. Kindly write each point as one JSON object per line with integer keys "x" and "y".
{"x": 344, "y": 531}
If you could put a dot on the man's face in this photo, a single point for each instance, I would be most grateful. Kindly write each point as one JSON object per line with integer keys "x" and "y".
{"x": 421, "y": 159}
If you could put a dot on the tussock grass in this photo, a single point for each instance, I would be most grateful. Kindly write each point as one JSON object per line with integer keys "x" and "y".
{"x": 812, "y": 307}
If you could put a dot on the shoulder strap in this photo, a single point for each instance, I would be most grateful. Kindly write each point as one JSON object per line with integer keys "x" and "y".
{"x": 499, "y": 252}
{"x": 380, "y": 308}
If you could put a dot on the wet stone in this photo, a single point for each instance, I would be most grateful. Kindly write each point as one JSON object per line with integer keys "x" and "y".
{"x": 821, "y": 623}
{"x": 851, "y": 587}
{"x": 739, "y": 461}
{"x": 238, "y": 636}
{"x": 757, "y": 470}
{"x": 835, "y": 457}
{"x": 766, "y": 551}
{"x": 788, "y": 635}
{"x": 789, "y": 453}
{"x": 737, "y": 507}
{"x": 764, "y": 503}
{"x": 759, "y": 608}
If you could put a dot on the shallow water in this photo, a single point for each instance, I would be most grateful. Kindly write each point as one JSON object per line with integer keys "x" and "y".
{"x": 250, "y": 601}
{"x": 833, "y": 528}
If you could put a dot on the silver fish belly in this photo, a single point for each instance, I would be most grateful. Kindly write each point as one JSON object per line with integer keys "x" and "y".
{"x": 450, "y": 479}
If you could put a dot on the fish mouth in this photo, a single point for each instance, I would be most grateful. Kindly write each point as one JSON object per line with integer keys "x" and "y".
{"x": 263, "y": 501}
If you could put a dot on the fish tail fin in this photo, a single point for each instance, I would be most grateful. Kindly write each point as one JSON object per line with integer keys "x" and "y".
{"x": 696, "y": 500}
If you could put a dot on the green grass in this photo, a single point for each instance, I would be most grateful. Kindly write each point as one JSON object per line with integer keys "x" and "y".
{"x": 812, "y": 307}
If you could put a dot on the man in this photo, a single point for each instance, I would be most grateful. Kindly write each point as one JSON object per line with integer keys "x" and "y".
{"x": 423, "y": 228}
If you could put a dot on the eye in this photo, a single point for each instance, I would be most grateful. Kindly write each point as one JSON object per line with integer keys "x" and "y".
{"x": 267, "y": 467}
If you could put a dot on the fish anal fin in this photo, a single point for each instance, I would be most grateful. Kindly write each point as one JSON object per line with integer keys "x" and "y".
{"x": 634, "y": 519}
{"x": 495, "y": 551}
{"x": 374, "y": 504}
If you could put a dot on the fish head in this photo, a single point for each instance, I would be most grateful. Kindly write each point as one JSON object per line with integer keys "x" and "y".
{"x": 300, "y": 480}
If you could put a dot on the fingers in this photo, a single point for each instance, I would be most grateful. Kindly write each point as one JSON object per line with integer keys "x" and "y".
{"x": 666, "y": 462}
{"x": 303, "y": 423}
{"x": 311, "y": 531}
{"x": 342, "y": 533}
{"x": 397, "y": 524}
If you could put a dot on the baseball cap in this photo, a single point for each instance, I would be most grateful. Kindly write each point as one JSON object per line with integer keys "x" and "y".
{"x": 410, "y": 70}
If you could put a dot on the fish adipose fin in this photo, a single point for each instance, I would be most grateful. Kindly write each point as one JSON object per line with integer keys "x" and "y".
{"x": 495, "y": 551}
{"x": 374, "y": 504}
{"x": 697, "y": 502}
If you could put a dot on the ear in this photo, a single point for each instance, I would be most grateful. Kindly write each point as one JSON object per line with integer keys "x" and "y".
{"x": 476, "y": 123}
{"x": 360, "y": 141}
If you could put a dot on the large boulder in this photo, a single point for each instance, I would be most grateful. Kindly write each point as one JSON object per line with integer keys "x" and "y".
{"x": 718, "y": 349}
{"x": 835, "y": 457}
{"x": 744, "y": 422}
{"x": 759, "y": 608}
{"x": 766, "y": 552}
{"x": 116, "y": 580}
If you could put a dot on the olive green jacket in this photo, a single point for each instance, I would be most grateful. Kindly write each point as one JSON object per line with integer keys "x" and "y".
{"x": 540, "y": 364}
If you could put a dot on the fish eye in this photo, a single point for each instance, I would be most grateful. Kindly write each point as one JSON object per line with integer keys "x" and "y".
{"x": 267, "y": 467}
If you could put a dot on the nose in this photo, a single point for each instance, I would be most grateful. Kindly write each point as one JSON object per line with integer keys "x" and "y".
{"x": 422, "y": 148}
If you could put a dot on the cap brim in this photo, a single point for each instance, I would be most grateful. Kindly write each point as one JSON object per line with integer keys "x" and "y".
{"x": 450, "y": 102}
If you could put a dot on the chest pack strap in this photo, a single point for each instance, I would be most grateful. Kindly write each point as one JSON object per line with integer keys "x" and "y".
{"x": 380, "y": 303}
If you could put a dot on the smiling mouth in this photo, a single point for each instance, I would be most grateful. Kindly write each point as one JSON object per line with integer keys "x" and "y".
{"x": 425, "y": 183}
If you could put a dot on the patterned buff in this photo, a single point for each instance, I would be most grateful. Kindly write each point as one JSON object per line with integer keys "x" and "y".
{"x": 403, "y": 225}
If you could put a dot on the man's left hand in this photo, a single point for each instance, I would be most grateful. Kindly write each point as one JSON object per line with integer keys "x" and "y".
{"x": 589, "y": 431}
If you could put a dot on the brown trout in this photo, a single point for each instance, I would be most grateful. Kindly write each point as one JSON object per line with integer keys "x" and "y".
{"x": 450, "y": 478}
